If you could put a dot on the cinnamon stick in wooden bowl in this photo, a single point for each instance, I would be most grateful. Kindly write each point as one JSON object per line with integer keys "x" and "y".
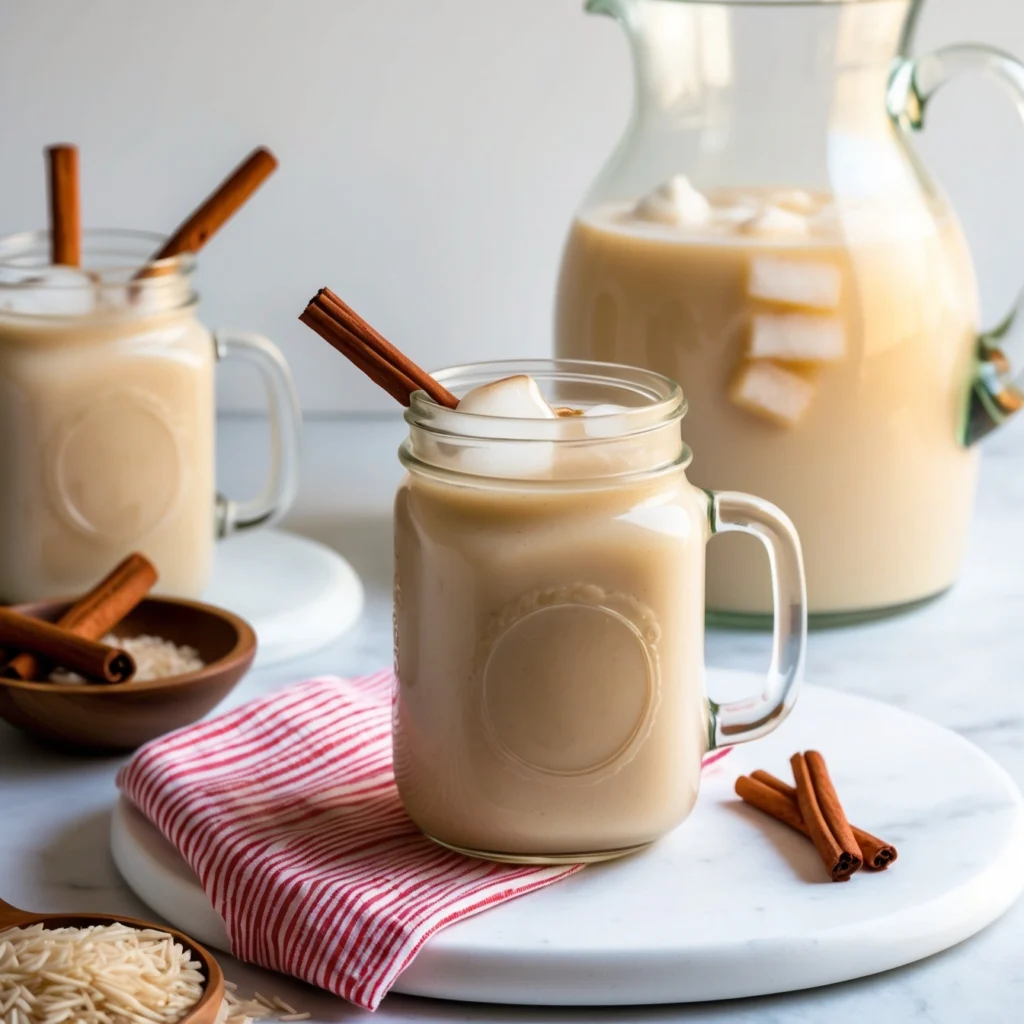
{"x": 92, "y": 615}
{"x": 123, "y": 716}
{"x": 91, "y": 659}
{"x": 117, "y": 715}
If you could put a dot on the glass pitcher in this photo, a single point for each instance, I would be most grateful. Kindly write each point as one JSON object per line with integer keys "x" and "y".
{"x": 765, "y": 235}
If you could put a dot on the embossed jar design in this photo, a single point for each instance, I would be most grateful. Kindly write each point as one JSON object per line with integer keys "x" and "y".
{"x": 549, "y": 618}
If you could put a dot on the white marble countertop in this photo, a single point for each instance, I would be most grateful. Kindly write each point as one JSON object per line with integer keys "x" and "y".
{"x": 958, "y": 661}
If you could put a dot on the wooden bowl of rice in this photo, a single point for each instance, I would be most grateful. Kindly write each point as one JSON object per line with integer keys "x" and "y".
{"x": 123, "y": 716}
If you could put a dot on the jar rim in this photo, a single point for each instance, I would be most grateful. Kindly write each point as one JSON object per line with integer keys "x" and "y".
{"x": 111, "y": 259}
{"x": 30, "y": 250}
{"x": 650, "y": 400}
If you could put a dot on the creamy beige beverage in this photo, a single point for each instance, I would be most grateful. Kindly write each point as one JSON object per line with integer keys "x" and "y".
{"x": 106, "y": 446}
{"x": 551, "y": 659}
{"x": 826, "y": 352}
{"x": 549, "y": 625}
{"x": 107, "y": 418}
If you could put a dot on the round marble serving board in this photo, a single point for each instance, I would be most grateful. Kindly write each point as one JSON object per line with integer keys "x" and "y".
{"x": 732, "y": 903}
{"x": 297, "y": 594}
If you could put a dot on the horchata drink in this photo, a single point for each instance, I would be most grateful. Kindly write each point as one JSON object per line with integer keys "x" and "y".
{"x": 825, "y": 349}
{"x": 549, "y": 613}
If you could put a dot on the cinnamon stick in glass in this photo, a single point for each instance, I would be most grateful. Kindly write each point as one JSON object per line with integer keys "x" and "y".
{"x": 65, "y": 216}
{"x": 92, "y": 660}
{"x": 378, "y": 369}
{"x": 363, "y": 345}
{"x": 878, "y": 854}
{"x": 93, "y": 615}
{"x": 229, "y": 196}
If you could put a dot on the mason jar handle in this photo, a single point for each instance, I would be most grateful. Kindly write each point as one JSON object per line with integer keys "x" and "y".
{"x": 998, "y": 389}
{"x": 756, "y": 716}
{"x": 285, "y": 427}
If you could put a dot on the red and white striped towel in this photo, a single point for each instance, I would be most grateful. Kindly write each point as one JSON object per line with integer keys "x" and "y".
{"x": 286, "y": 809}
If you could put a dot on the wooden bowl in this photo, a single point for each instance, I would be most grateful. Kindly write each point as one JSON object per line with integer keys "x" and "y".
{"x": 123, "y": 716}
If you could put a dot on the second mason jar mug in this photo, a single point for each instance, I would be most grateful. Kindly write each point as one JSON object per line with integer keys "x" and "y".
{"x": 549, "y": 618}
{"x": 765, "y": 235}
{"x": 107, "y": 419}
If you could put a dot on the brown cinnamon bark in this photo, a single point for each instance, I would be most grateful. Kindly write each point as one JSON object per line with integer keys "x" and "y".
{"x": 197, "y": 229}
{"x": 93, "y": 615}
{"x": 92, "y": 660}
{"x": 65, "y": 217}
{"x": 878, "y": 854}
{"x": 781, "y": 807}
{"x": 382, "y": 373}
{"x": 823, "y": 815}
{"x": 376, "y": 343}
{"x": 388, "y": 367}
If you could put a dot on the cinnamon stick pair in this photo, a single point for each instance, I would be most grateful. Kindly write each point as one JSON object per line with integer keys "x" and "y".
{"x": 812, "y": 807}
{"x": 94, "y": 661}
{"x": 88, "y": 619}
{"x": 190, "y": 236}
{"x": 364, "y": 346}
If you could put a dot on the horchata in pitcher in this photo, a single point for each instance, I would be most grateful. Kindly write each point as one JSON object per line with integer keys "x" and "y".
{"x": 764, "y": 235}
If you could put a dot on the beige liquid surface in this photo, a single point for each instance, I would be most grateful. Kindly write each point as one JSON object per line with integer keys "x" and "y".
{"x": 549, "y": 650}
{"x": 870, "y": 470}
{"x": 106, "y": 446}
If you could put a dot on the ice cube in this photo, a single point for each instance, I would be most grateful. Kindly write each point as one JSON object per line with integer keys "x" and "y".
{"x": 795, "y": 282}
{"x": 797, "y": 337}
{"x": 675, "y": 202}
{"x": 53, "y": 291}
{"x": 776, "y": 222}
{"x": 598, "y": 422}
{"x": 732, "y": 216}
{"x": 516, "y": 397}
{"x": 796, "y": 200}
{"x": 527, "y": 455}
{"x": 772, "y": 392}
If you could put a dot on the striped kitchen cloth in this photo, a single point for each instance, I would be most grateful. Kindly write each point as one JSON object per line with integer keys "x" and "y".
{"x": 287, "y": 811}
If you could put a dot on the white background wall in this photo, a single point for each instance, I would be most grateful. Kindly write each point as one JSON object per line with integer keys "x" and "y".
{"x": 432, "y": 153}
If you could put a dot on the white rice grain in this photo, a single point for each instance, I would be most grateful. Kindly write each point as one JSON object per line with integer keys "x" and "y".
{"x": 155, "y": 658}
{"x": 111, "y": 974}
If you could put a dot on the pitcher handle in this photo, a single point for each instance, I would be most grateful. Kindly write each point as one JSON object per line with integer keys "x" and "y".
{"x": 753, "y": 717}
{"x": 285, "y": 428}
{"x": 997, "y": 392}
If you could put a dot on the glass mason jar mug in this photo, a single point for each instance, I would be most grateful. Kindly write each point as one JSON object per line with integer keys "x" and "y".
{"x": 764, "y": 234}
{"x": 107, "y": 419}
{"x": 549, "y": 618}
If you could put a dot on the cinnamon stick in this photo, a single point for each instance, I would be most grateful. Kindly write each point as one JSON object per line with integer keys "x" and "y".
{"x": 878, "y": 854}
{"x": 89, "y": 658}
{"x": 388, "y": 367}
{"x": 65, "y": 217}
{"x": 823, "y": 815}
{"x": 199, "y": 227}
{"x": 378, "y": 369}
{"x": 95, "y": 614}
{"x": 381, "y": 347}
{"x": 750, "y": 789}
